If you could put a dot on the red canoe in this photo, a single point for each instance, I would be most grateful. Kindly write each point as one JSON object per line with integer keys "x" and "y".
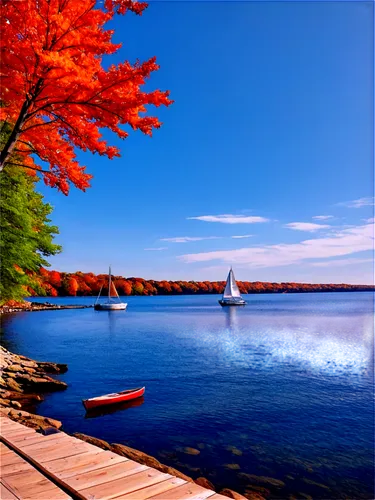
{"x": 116, "y": 397}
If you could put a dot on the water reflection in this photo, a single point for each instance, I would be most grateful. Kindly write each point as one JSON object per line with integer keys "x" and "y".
{"x": 107, "y": 410}
{"x": 344, "y": 341}
{"x": 231, "y": 317}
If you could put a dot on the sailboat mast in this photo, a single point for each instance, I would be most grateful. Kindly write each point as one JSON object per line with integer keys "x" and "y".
{"x": 109, "y": 285}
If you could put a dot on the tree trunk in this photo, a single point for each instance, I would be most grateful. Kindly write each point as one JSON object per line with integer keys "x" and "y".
{"x": 12, "y": 139}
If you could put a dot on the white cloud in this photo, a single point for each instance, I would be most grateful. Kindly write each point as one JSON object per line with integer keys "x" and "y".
{"x": 186, "y": 239}
{"x": 230, "y": 219}
{"x": 361, "y": 202}
{"x": 344, "y": 242}
{"x": 157, "y": 249}
{"x": 242, "y": 236}
{"x": 306, "y": 226}
{"x": 340, "y": 262}
{"x": 371, "y": 220}
{"x": 323, "y": 217}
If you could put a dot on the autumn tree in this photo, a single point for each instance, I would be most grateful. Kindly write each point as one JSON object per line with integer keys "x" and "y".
{"x": 54, "y": 279}
{"x": 70, "y": 285}
{"x": 56, "y": 94}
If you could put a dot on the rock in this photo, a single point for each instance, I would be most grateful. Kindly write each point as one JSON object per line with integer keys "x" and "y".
{"x": 314, "y": 483}
{"x": 168, "y": 455}
{"x": 25, "y": 358}
{"x": 232, "y": 494}
{"x": 15, "y": 368}
{"x": 253, "y": 495}
{"x": 54, "y": 423}
{"x": 232, "y": 466}
{"x": 190, "y": 451}
{"x": 52, "y": 367}
{"x": 136, "y": 455}
{"x": 3, "y": 363}
{"x": 34, "y": 421}
{"x": 2, "y": 382}
{"x": 94, "y": 441}
{"x": 24, "y": 398}
{"x": 29, "y": 370}
{"x": 41, "y": 383}
{"x": 261, "y": 480}
{"x": 4, "y": 402}
{"x": 175, "y": 472}
{"x": 28, "y": 363}
{"x": 205, "y": 483}
{"x": 16, "y": 404}
{"x": 19, "y": 413}
{"x": 143, "y": 458}
{"x": 234, "y": 450}
{"x": 12, "y": 384}
{"x": 300, "y": 496}
{"x": 4, "y": 411}
{"x": 258, "y": 489}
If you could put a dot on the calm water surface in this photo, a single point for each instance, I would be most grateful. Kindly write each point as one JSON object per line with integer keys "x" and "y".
{"x": 282, "y": 388}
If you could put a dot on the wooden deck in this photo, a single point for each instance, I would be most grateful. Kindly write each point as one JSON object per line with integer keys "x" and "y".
{"x": 59, "y": 466}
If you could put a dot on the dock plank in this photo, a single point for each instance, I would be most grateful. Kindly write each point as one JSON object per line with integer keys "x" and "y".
{"x": 17, "y": 466}
{"x": 17, "y": 432}
{"x": 39, "y": 489}
{"x": 5, "y": 494}
{"x": 43, "y": 442}
{"x": 44, "y": 456}
{"x": 96, "y": 464}
{"x": 38, "y": 438}
{"x": 9, "y": 459}
{"x": 6, "y": 424}
{"x": 186, "y": 491}
{"x": 120, "y": 487}
{"x": 103, "y": 475}
{"x": 4, "y": 449}
{"x": 155, "y": 489}
{"x": 72, "y": 463}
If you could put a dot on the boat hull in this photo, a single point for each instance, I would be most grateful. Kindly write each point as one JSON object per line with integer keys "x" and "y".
{"x": 110, "y": 307}
{"x": 113, "y": 398}
{"x": 229, "y": 302}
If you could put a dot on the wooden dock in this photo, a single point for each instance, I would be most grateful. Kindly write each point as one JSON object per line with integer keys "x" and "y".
{"x": 58, "y": 466}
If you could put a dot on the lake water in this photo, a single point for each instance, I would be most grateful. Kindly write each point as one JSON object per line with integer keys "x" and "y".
{"x": 282, "y": 388}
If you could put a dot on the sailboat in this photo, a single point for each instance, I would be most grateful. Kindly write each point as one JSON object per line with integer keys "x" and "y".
{"x": 231, "y": 295}
{"x": 111, "y": 304}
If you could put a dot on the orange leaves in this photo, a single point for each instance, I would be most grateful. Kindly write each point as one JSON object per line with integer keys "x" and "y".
{"x": 121, "y": 6}
{"x": 55, "y": 91}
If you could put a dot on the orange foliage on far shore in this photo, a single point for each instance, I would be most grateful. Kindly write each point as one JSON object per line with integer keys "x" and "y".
{"x": 77, "y": 284}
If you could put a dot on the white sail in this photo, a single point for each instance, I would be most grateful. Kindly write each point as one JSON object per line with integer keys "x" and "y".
{"x": 231, "y": 288}
{"x": 110, "y": 304}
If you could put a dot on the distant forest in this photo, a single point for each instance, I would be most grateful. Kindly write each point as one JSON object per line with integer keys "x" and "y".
{"x": 56, "y": 284}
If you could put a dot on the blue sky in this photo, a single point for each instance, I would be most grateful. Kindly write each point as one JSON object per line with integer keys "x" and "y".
{"x": 271, "y": 128}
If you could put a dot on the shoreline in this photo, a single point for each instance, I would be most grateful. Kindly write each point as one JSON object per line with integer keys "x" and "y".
{"x": 39, "y": 306}
{"x": 30, "y": 306}
{"x": 22, "y": 384}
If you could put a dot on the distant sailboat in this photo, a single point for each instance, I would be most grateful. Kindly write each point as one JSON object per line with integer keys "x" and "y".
{"x": 111, "y": 304}
{"x": 231, "y": 295}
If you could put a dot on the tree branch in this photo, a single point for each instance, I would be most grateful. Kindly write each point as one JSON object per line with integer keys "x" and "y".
{"x": 27, "y": 166}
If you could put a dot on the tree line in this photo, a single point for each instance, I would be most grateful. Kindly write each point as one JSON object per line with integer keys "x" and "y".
{"x": 59, "y": 284}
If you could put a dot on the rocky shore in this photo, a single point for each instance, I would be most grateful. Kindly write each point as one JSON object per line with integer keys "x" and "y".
{"x": 22, "y": 384}
{"x": 25, "y": 306}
